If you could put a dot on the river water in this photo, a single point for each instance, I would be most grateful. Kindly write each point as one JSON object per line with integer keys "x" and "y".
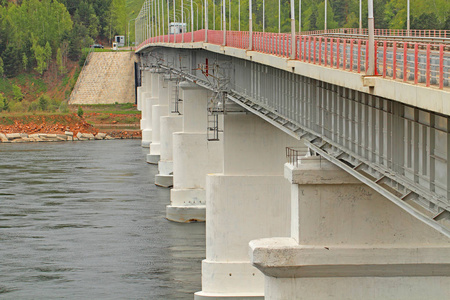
{"x": 84, "y": 220}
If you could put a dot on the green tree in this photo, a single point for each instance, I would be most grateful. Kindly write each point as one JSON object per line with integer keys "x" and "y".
{"x": 1, "y": 67}
{"x": 59, "y": 61}
{"x": 43, "y": 102}
{"x": 39, "y": 55}
{"x": 80, "y": 112}
{"x": 17, "y": 92}
{"x": 10, "y": 61}
{"x": 24, "y": 61}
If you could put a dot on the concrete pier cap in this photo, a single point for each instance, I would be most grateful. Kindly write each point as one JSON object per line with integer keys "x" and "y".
{"x": 349, "y": 242}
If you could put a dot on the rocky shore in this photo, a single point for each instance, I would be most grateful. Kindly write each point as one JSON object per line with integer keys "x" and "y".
{"x": 52, "y": 137}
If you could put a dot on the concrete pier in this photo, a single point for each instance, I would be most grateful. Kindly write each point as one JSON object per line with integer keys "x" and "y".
{"x": 194, "y": 158}
{"x": 249, "y": 200}
{"x": 159, "y": 109}
{"x": 349, "y": 242}
{"x": 146, "y": 99}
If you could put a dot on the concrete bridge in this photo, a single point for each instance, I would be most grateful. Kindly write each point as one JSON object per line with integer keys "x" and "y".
{"x": 316, "y": 178}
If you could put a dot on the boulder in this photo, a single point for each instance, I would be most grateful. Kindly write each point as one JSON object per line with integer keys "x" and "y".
{"x": 68, "y": 133}
{"x": 3, "y": 138}
{"x": 13, "y": 136}
{"x": 100, "y": 136}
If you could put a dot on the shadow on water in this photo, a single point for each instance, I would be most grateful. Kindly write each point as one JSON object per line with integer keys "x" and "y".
{"x": 85, "y": 221}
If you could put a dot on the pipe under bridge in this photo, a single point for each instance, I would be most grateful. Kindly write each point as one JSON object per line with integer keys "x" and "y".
{"x": 360, "y": 210}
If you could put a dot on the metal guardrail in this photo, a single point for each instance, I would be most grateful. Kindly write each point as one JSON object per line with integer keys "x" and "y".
{"x": 411, "y": 62}
{"x": 293, "y": 156}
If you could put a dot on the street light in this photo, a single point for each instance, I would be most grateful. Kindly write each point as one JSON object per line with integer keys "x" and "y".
{"x": 325, "y": 26}
{"x": 129, "y": 31}
{"x": 371, "y": 69}
{"x": 299, "y": 16}
{"x": 407, "y": 21}
{"x": 360, "y": 16}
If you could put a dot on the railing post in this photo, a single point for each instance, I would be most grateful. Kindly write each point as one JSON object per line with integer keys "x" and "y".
{"x": 416, "y": 63}
{"x": 384, "y": 58}
{"x": 320, "y": 50}
{"x": 394, "y": 61}
{"x": 441, "y": 66}
{"x": 405, "y": 61}
{"x": 428, "y": 64}
{"x": 351, "y": 55}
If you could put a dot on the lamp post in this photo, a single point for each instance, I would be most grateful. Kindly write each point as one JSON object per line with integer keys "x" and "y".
{"x": 129, "y": 31}
{"x": 325, "y": 25}
{"x": 279, "y": 16}
{"x": 371, "y": 68}
{"x": 250, "y": 26}
{"x": 264, "y": 16}
{"x": 299, "y": 16}
{"x": 407, "y": 20}
{"x": 239, "y": 15}
{"x": 206, "y": 21}
{"x": 360, "y": 16}
{"x": 224, "y": 23}
{"x": 293, "y": 42}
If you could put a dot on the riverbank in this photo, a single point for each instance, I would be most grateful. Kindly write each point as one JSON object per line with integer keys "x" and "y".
{"x": 97, "y": 122}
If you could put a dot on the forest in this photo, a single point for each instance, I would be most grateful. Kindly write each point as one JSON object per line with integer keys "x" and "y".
{"x": 33, "y": 32}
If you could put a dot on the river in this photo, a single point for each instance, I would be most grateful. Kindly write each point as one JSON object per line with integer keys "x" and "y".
{"x": 84, "y": 220}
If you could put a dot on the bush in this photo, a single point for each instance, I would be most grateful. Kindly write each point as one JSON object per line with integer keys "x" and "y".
{"x": 16, "y": 107}
{"x": 80, "y": 112}
{"x": 63, "y": 107}
{"x": 33, "y": 106}
{"x": 2, "y": 102}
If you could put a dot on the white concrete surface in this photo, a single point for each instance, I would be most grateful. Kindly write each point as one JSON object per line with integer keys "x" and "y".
{"x": 194, "y": 158}
{"x": 349, "y": 242}
{"x": 249, "y": 199}
{"x": 159, "y": 109}
{"x": 169, "y": 125}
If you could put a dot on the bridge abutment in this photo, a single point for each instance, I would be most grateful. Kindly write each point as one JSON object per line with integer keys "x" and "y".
{"x": 249, "y": 200}
{"x": 349, "y": 242}
{"x": 194, "y": 158}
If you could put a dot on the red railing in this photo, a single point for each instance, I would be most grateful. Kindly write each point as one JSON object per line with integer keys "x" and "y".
{"x": 383, "y": 32}
{"x": 415, "y": 63}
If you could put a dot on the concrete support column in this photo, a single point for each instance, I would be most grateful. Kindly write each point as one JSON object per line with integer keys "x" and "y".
{"x": 145, "y": 102}
{"x": 194, "y": 158}
{"x": 349, "y": 242}
{"x": 160, "y": 109}
{"x": 249, "y": 200}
